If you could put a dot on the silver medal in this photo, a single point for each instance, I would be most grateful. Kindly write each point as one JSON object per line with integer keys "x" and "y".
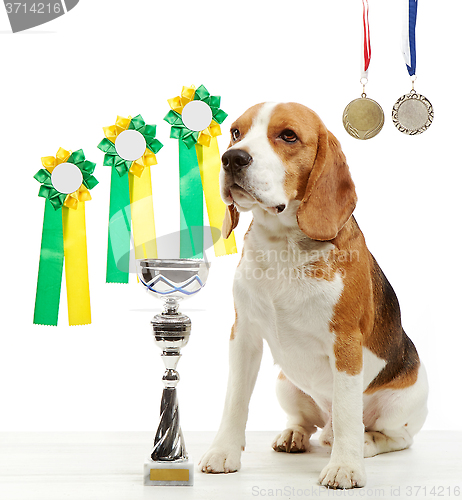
{"x": 412, "y": 113}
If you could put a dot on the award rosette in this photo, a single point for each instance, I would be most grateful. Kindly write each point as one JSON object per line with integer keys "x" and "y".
{"x": 65, "y": 181}
{"x": 195, "y": 120}
{"x": 130, "y": 148}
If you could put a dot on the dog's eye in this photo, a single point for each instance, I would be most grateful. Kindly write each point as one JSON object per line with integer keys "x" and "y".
{"x": 235, "y": 134}
{"x": 288, "y": 135}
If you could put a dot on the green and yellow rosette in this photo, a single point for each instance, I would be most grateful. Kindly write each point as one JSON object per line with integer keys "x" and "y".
{"x": 130, "y": 148}
{"x": 195, "y": 120}
{"x": 65, "y": 181}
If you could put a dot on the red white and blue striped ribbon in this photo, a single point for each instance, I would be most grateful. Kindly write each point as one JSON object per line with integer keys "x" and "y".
{"x": 408, "y": 45}
{"x": 366, "y": 54}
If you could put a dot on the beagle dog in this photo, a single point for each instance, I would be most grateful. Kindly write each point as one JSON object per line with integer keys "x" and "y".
{"x": 308, "y": 285}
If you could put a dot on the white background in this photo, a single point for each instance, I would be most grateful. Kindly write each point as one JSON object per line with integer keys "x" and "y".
{"x": 63, "y": 81}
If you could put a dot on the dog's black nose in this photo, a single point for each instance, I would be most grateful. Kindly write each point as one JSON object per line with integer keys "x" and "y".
{"x": 236, "y": 159}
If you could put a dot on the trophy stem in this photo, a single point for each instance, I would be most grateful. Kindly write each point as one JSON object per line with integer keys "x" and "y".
{"x": 171, "y": 332}
{"x": 169, "y": 442}
{"x": 170, "y": 306}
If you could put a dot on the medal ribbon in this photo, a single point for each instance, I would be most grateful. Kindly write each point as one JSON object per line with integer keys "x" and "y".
{"x": 366, "y": 56}
{"x": 76, "y": 265}
{"x": 119, "y": 230}
{"x": 50, "y": 268}
{"x": 408, "y": 47}
{"x": 142, "y": 213}
{"x": 191, "y": 202}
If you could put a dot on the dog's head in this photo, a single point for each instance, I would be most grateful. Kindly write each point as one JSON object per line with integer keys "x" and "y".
{"x": 281, "y": 153}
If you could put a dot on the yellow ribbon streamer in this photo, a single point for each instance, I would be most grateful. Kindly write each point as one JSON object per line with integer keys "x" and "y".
{"x": 76, "y": 265}
{"x": 142, "y": 211}
{"x": 209, "y": 166}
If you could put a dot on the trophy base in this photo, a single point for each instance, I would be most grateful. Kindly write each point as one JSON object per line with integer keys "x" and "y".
{"x": 178, "y": 473}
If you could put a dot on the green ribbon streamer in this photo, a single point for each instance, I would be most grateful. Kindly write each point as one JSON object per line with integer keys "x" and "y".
{"x": 118, "y": 245}
{"x": 50, "y": 267}
{"x": 191, "y": 202}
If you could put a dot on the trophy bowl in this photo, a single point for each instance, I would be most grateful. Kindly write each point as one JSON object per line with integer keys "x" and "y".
{"x": 171, "y": 280}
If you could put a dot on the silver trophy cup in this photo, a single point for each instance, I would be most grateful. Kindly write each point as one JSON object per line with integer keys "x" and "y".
{"x": 171, "y": 281}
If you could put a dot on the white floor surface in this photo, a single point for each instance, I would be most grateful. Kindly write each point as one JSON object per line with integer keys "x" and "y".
{"x": 109, "y": 466}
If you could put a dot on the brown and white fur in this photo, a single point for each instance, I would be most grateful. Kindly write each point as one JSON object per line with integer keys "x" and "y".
{"x": 309, "y": 287}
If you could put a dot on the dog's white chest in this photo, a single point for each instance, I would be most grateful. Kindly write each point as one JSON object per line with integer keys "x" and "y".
{"x": 292, "y": 310}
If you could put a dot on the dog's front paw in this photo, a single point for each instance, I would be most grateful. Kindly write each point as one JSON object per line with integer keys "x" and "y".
{"x": 292, "y": 440}
{"x": 217, "y": 460}
{"x": 343, "y": 475}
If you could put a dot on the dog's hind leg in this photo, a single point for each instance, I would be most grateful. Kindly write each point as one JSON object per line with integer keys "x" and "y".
{"x": 304, "y": 415}
{"x": 376, "y": 442}
{"x": 400, "y": 415}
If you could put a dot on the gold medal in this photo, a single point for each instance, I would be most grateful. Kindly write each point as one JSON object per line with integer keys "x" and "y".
{"x": 412, "y": 113}
{"x": 363, "y": 118}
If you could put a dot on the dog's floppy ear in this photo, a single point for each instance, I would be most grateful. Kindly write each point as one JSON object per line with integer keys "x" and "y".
{"x": 330, "y": 195}
{"x": 230, "y": 221}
